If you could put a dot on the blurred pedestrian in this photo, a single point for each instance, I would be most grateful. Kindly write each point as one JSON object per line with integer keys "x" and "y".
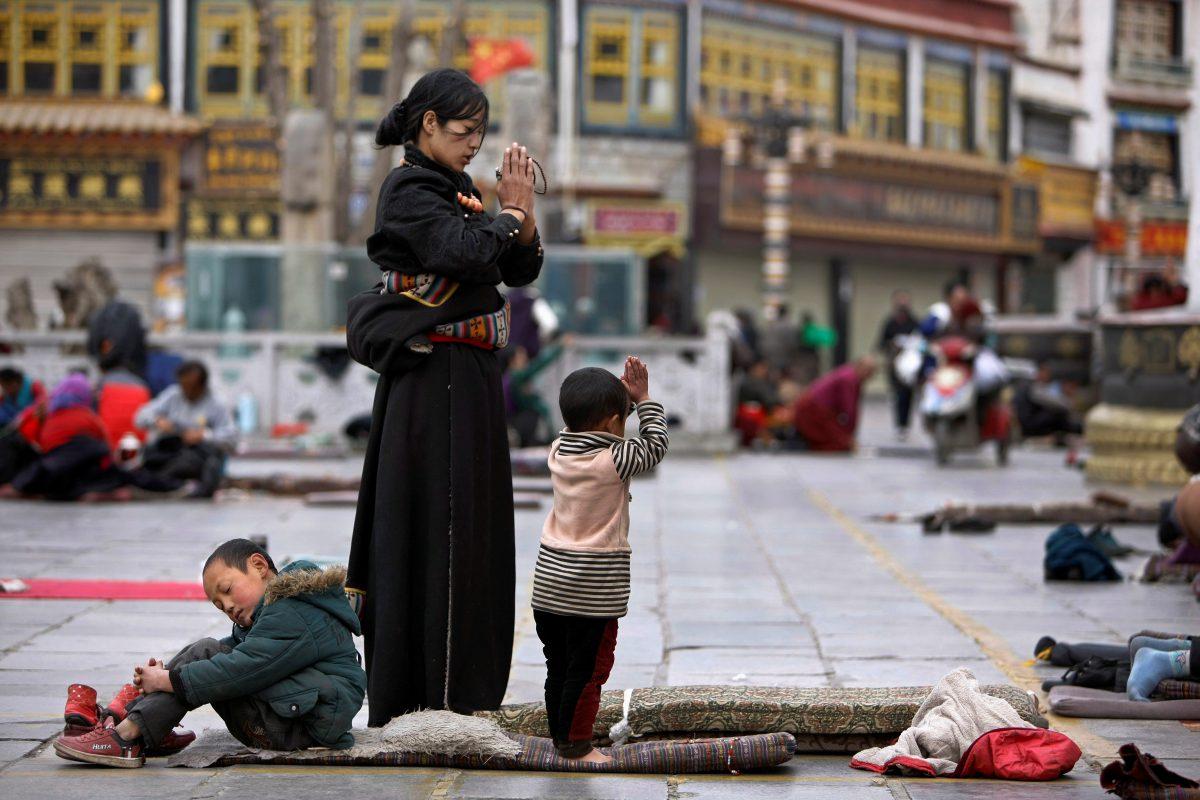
{"x": 900, "y": 322}
{"x": 779, "y": 342}
{"x": 191, "y": 431}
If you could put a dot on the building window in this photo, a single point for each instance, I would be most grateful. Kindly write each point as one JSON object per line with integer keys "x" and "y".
{"x": 945, "y": 105}
{"x": 995, "y": 140}
{"x": 222, "y": 80}
{"x": 1146, "y": 29}
{"x": 658, "y": 103}
{"x": 879, "y": 94}
{"x": 1046, "y": 132}
{"x": 1156, "y": 150}
{"x": 85, "y": 78}
{"x": 137, "y": 49}
{"x": 370, "y": 82}
{"x": 607, "y": 66}
{"x": 5, "y": 35}
{"x": 39, "y": 77}
{"x": 743, "y": 61}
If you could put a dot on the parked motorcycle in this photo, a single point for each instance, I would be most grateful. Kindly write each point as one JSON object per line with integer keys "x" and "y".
{"x": 950, "y": 404}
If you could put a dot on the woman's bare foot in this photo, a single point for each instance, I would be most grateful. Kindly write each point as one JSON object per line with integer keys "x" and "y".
{"x": 594, "y": 756}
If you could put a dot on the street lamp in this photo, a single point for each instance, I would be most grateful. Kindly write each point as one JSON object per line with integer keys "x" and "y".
{"x": 780, "y": 140}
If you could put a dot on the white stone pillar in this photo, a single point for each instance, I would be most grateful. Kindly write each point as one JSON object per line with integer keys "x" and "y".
{"x": 177, "y": 53}
{"x": 915, "y": 90}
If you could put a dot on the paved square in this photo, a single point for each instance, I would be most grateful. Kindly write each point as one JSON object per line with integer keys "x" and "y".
{"x": 748, "y": 569}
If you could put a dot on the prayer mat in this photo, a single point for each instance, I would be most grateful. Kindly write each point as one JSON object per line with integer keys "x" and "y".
{"x": 530, "y": 461}
{"x": 53, "y": 589}
{"x": 292, "y": 485}
{"x": 1178, "y": 690}
{"x": 218, "y": 748}
{"x": 1081, "y": 513}
{"x": 1076, "y": 701}
{"x": 835, "y": 717}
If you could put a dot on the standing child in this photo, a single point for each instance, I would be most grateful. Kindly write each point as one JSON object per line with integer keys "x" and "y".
{"x": 581, "y": 581}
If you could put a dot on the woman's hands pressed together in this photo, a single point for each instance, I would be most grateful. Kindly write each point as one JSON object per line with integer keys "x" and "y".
{"x": 515, "y": 189}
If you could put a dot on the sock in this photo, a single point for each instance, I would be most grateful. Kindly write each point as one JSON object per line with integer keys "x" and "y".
{"x": 1169, "y": 645}
{"x": 1151, "y": 667}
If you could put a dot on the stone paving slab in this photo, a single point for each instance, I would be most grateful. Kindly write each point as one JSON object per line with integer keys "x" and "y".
{"x": 762, "y": 566}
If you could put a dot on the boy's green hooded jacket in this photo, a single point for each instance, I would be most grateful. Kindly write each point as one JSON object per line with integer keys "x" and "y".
{"x": 298, "y": 655}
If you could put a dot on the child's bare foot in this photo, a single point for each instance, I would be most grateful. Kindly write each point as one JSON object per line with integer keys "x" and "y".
{"x": 594, "y": 756}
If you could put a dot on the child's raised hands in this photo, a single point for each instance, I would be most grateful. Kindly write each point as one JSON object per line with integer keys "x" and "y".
{"x": 636, "y": 379}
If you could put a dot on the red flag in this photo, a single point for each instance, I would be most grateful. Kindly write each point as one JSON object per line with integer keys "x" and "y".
{"x": 492, "y": 57}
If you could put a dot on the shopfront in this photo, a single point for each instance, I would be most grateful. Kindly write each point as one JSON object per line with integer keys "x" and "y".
{"x": 878, "y": 218}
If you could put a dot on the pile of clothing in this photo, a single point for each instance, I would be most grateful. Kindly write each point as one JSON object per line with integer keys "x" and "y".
{"x": 960, "y": 732}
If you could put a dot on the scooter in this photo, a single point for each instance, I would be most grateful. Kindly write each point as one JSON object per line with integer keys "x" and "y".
{"x": 949, "y": 404}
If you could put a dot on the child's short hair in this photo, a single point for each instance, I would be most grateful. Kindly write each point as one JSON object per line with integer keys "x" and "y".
{"x": 591, "y": 395}
{"x": 236, "y": 553}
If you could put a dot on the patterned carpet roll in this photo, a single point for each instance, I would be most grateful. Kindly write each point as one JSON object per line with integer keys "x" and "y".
{"x": 669, "y": 711}
{"x": 219, "y": 749}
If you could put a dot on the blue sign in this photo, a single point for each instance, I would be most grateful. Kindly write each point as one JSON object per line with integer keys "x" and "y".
{"x": 1146, "y": 121}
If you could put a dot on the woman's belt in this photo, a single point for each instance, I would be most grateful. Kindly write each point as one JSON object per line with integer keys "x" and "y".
{"x": 489, "y": 331}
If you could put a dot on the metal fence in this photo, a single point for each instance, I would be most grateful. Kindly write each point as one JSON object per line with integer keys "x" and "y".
{"x": 289, "y": 383}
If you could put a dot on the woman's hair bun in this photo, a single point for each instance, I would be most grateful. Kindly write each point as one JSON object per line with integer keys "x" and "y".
{"x": 391, "y": 127}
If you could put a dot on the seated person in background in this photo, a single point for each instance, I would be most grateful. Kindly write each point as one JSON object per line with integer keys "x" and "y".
{"x": 826, "y": 415}
{"x": 1043, "y": 406}
{"x": 17, "y": 393}
{"x": 1160, "y": 290}
{"x": 69, "y": 456}
{"x": 191, "y": 432}
{"x": 758, "y": 399}
{"x": 287, "y": 678}
{"x": 119, "y": 395}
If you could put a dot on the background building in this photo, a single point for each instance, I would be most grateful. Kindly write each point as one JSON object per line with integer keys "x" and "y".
{"x": 942, "y": 139}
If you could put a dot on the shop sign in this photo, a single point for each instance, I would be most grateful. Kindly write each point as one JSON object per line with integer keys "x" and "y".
{"x": 657, "y": 226}
{"x": 1147, "y": 121}
{"x": 1159, "y": 238}
{"x": 242, "y": 158}
{"x": 1066, "y": 197}
{"x": 848, "y": 198}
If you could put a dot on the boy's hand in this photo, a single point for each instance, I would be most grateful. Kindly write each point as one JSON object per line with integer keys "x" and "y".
{"x": 636, "y": 379}
{"x": 193, "y": 436}
{"x": 152, "y": 678}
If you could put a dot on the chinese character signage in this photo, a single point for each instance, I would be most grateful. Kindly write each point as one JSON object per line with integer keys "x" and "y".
{"x": 647, "y": 227}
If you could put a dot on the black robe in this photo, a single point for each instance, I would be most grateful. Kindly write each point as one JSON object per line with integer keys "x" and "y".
{"x": 433, "y": 546}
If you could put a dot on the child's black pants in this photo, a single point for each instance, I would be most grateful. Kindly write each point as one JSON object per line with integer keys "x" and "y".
{"x": 579, "y": 656}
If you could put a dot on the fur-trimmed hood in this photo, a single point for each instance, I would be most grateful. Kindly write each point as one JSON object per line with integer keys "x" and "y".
{"x": 293, "y": 581}
{"x": 323, "y": 589}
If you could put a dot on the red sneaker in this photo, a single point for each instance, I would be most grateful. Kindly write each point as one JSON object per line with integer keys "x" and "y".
{"x": 81, "y": 712}
{"x": 116, "y": 706}
{"x": 101, "y": 746}
{"x": 171, "y": 744}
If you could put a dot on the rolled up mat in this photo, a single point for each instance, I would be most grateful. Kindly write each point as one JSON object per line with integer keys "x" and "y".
{"x": 1076, "y": 701}
{"x": 1178, "y": 690}
{"x": 217, "y": 748}
{"x": 671, "y": 711}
